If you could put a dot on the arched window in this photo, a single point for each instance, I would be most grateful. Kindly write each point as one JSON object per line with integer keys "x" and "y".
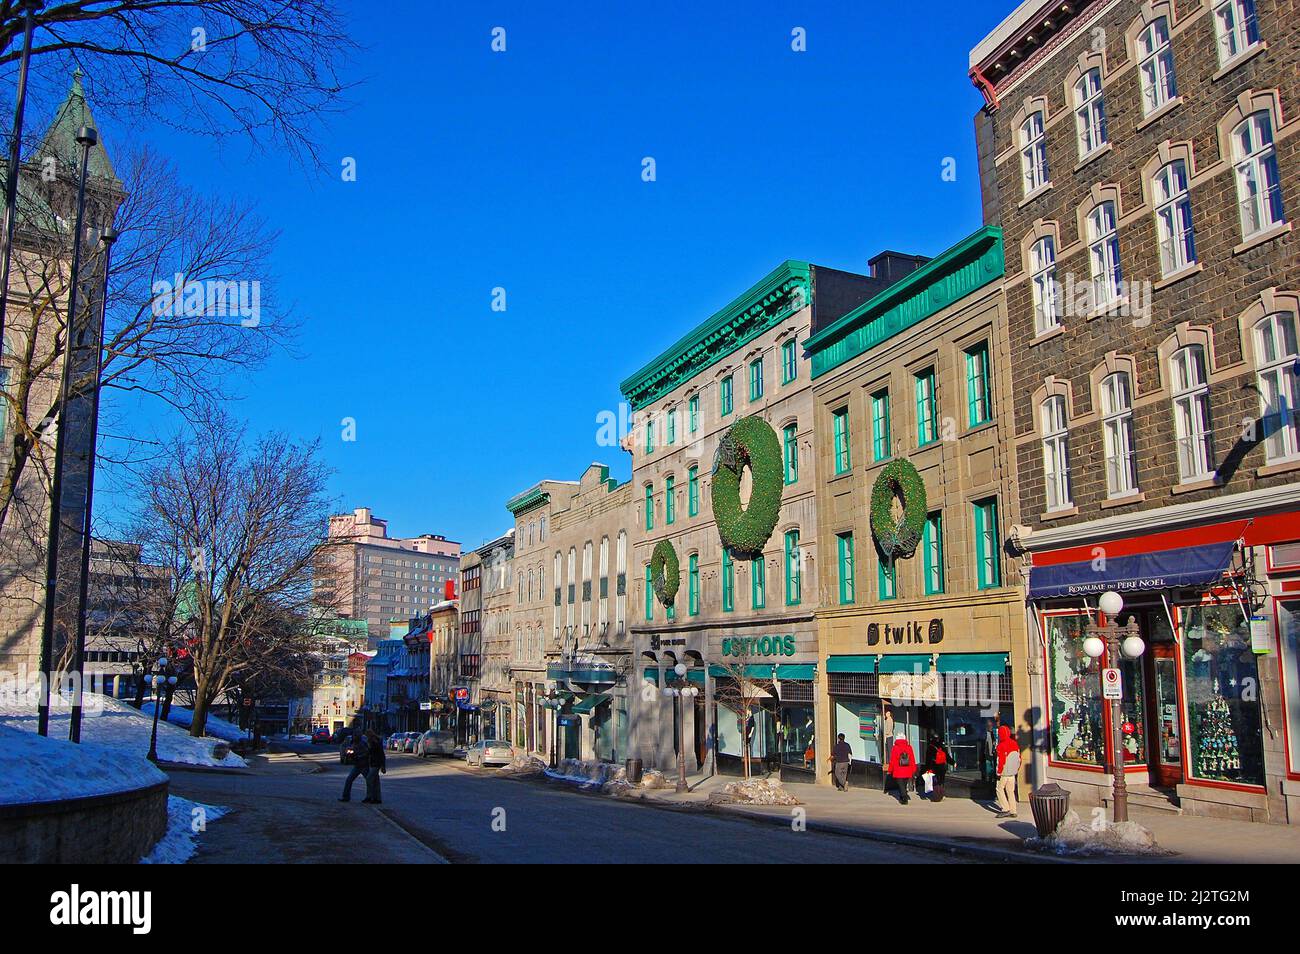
{"x": 1090, "y": 113}
{"x": 1042, "y": 264}
{"x": 1156, "y": 66}
{"x": 1275, "y": 350}
{"x": 1103, "y": 253}
{"x": 1056, "y": 451}
{"x": 1259, "y": 192}
{"x": 542, "y": 537}
{"x": 1173, "y": 205}
{"x": 1117, "y": 432}
{"x": 1236, "y": 28}
{"x": 1033, "y": 152}
{"x": 1191, "y": 390}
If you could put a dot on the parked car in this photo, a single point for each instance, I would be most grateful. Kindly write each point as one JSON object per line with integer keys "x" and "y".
{"x": 436, "y": 742}
{"x": 340, "y": 736}
{"x": 489, "y": 752}
{"x": 393, "y": 741}
{"x": 320, "y": 737}
{"x": 408, "y": 744}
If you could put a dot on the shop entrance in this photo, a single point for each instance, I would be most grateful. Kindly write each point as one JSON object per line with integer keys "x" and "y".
{"x": 1162, "y": 716}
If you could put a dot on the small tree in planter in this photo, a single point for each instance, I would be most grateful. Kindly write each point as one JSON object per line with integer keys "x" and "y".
{"x": 741, "y": 690}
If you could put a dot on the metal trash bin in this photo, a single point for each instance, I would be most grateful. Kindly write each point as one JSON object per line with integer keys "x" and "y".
{"x": 633, "y": 769}
{"x": 1049, "y": 803}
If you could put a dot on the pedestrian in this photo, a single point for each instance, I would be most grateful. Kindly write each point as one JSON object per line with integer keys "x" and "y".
{"x": 937, "y": 760}
{"x": 1008, "y": 769}
{"x": 902, "y": 765}
{"x": 989, "y": 755}
{"x": 378, "y": 764}
{"x": 841, "y": 762}
{"x": 360, "y": 763}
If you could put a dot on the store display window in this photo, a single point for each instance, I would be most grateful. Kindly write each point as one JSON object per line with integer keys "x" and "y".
{"x": 1221, "y": 680}
{"x": 1074, "y": 688}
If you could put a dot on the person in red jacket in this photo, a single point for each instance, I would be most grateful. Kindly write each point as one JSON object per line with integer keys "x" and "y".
{"x": 1008, "y": 769}
{"x": 902, "y": 766}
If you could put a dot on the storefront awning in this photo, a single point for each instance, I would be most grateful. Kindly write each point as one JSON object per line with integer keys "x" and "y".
{"x": 1198, "y": 566}
{"x": 589, "y": 703}
{"x": 751, "y": 672}
{"x": 973, "y": 662}
{"x": 803, "y": 671}
{"x": 851, "y": 664}
{"x": 905, "y": 662}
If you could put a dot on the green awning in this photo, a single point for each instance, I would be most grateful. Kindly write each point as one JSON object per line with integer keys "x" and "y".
{"x": 589, "y": 703}
{"x": 851, "y": 664}
{"x": 973, "y": 662}
{"x": 796, "y": 671}
{"x": 751, "y": 672}
{"x": 652, "y": 674}
{"x": 695, "y": 675}
{"x": 905, "y": 662}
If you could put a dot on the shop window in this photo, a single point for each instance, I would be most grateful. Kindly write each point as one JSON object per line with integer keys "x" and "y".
{"x": 1288, "y": 624}
{"x": 1075, "y": 690}
{"x": 1221, "y": 677}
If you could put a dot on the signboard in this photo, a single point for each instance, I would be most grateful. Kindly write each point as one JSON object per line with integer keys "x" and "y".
{"x": 911, "y": 688}
{"x": 1111, "y": 687}
{"x": 426, "y": 706}
{"x": 1261, "y": 635}
{"x": 867, "y": 721}
{"x": 566, "y": 720}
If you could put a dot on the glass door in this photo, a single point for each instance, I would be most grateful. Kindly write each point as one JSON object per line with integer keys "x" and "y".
{"x": 1167, "y": 737}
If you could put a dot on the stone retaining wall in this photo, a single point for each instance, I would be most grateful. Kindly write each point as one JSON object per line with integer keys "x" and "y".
{"x": 98, "y": 829}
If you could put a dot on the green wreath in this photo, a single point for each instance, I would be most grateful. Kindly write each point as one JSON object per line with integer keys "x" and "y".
{"x": 898, "y": 479}
{"x": 665, "y": 572}
{"x": 750, "y": 441}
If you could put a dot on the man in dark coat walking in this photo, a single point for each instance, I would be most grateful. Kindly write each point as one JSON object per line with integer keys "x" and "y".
{"x": 378, "y": 763}
{"x": 841, "y": 760}
{"x": 360, "y": 762}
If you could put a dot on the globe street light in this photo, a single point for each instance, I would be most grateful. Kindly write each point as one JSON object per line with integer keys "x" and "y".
{"x": 161, "y": 677}
{"x": 1109, "y": 638}
{"x": 679, "y": 688}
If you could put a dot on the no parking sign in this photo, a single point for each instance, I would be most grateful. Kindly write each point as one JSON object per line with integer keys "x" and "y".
{"x": 1111, "y": 687}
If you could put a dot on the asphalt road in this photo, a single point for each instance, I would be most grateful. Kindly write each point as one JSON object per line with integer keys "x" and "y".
{"x": 441, "y": 811}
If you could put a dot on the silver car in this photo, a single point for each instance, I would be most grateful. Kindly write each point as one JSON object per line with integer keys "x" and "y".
{"x": 436, "y": 742}
{"x": 489, "y": 752}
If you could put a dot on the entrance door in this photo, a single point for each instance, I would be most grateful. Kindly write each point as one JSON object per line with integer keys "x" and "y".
{"x": 1166, "y": 735}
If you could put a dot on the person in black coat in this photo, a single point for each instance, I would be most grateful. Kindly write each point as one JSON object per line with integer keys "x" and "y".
{"x": 378, "y": 764}
{"x": 360, "y": 763}
{"x": 937, "y": 760}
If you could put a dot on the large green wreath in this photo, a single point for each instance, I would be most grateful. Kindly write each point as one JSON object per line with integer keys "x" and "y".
{"x": 750, "y": 441}
{"x": 665, "y": 572}
{"x": 898, "y": 479}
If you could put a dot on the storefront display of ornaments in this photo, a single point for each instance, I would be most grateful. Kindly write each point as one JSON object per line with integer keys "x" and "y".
{"x": 1217, "y": 751}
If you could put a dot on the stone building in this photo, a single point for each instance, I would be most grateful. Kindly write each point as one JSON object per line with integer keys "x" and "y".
{"x": 486, "y": 577}
{"x": 912, "y": 409}
{"x": 1143, "y": 163}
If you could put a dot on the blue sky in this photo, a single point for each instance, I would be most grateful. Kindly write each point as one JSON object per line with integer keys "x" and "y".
{"x": 523, "y": 170}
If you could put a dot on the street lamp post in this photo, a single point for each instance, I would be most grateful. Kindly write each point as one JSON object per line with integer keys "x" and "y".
{"x": 161, "y": 677}
{"x": 553, "y": 699}
{"x": 1106, "y": 637}
{"x": 679, "y": 688}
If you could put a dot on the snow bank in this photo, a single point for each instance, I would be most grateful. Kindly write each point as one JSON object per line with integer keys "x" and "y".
{"x": 49, "y": 769}
{"x": 217, "y": 728}
{"x": 524, "y": 763}
{"x": 584, "y": 772}
{"x": 1074, "y": 836}
{"x": 124, "y": 729}
{"x": 753, "y": 791}
{"x": 186, "y": 820}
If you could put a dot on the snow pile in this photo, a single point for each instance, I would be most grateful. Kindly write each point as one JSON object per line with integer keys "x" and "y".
{"x": 217, "y": 728}
{"x": 584, "y": 772}
{"x": 51, "y": 769}
{"x": 122, "y": 728}
{"x": 653, "y": 778}
{"x": 185, "y": 821}
{"x": 1074, "y": 836}
{"x": 753, "y": 791}
{"x": 523, "y": 763}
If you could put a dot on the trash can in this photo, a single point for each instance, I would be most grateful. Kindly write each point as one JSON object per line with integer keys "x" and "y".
{"x": 633, "y": 769}
{"x": 1049, "y": 803}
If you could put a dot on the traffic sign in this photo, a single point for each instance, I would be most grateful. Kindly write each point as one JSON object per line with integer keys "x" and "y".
{"x": 1111, "y": 687}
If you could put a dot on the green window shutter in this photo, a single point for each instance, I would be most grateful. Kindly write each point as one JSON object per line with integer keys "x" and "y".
{"x": 672, "y": 427}
{"x": 693, "y": 492}
{"x": 649, "y": 506}
{"x": 988, "y": 563}
{"x": 843, "y": 462}
{"x": 693, "y": 584}
{"x": 693, "y": 411}
{"x": 791, "y": 433}
{"x": 932, "y": 549}
{"x": 758, "y": 584}
{"x": 728, "y": 582}
{"x": 880, "y": 440}
{"x": 793, "y": 572}
{"x": 670, "y": 504}
{"x": 649, "y": 594}
{"x": 847, "y": 573}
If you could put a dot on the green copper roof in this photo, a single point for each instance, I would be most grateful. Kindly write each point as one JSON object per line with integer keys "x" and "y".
{"x": 727, "y": 329}
{"x": 527, "y": 500}
{"x": 61, "y": 138}
{"x": 971, "y": 264}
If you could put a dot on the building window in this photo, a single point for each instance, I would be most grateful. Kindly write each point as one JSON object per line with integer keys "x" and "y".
{"x": 1192, "y": 413}
{"x": 880, "y": 442}
{"x": 1117, "y": 433}
{"x": 1042, "y": 266}
{"x": 649, "y": 594}
{"x": 927, "y": 411}
{"x": 1033, "y": 153}
{"x": 1174, "y": 218}
{"x": 670, "y": 505}
{"x": 728, "y": 582}
{"x": 789, "y": 362}
{"x": 1236, "y": 28}
{"x": 649, "y": 506}
{"x": 693, "y": 584}
{"x": 756, "y": 379}
{"x": 1224, "y": 716}
{"x": 1056, "y": 452}
{"x": 793, "y": 569}
{"x": 790, "y": 444}
{"x": 649, "y": 433}
{"x": 988, "y": 562}
{"x": 1156, "y": 66}
{"x": 932, "y": 553}
{"x": 978, "y": 402}
{"x": 1090, "y": 113}
{"x": 1259, "y": 191}
{"x": 693, "y": 412}
{"x": 886, "y": 580}
{"x": 693, "y": 491}
{"x": 840, "y": 421}
{"x": 844, "y": 544}
{"x": 672, "y": 426}
{"x": 758, "y": 582}
{"x": 1103, "y": 254}
{"x": 1275, "y": 351}
{"x": 725, "y": 397}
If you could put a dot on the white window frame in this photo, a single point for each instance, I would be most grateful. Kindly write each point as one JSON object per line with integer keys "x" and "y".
{"x": 1047, "y": 301}
{"x": 1033, "y": 152}
{"x": 1055, "y": 423}
{"x": 1117, "y": 434}
{"x": 1173, "y": 210}
{"x": 1276, "y": 356}
{"x": 1259, "y": 190}
{"x": 1236, "y": 29}
{"x": 1156, "y": 67}
{"x": 1189, "y": 383}
{"x": 1103, "y": 253}
{"x": 1090, "y": 113}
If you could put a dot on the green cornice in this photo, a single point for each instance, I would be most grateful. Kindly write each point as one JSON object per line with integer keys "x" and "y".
{"x": 727, "y": 329}
{"x": 533, "y": 497}
{"x": 971, "y": 264}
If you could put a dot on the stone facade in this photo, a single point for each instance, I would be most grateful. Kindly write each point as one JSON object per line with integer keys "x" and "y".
{"x": 495, "y": 643}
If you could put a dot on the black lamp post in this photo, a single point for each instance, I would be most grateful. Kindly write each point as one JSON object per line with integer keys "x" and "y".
{"x": 553, "y": 699}
{"x": 161, "y": 678}
{"x": 679, "y": 688}
{"x": 1112, "y": 641}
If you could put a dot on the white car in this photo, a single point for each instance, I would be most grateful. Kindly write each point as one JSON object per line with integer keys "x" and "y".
{"x": 435, "y": 742}
{"x": 489, "y": 752}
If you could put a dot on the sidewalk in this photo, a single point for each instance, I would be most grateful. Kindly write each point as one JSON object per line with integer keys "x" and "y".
{"x": 966, "y": 826}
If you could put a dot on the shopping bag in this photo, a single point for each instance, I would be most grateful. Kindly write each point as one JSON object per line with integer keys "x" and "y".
{"x": 928, "y": 779}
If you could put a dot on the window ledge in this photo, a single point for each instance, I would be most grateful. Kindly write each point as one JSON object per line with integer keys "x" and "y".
{"x": 1093, "y": 156}
{"x": 1047, "y": 335}
{"x": 1159, "y": 112}
{"x": 1280, "y": 467}
{"x": 1058, "y": 514}
{"x": 1045, "y": 187}
{"x": 1110, "y": 309}
{"x": 1187, "y": 271}
{"x": 1191, "y": 486}
{"x": 1244, "y": 56}
{"x": 1259, "y": 238}
{"x": 981, "y": 426}
{"x": 1125, "y": 501}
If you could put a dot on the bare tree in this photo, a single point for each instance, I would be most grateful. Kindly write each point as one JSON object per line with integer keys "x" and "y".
{"x": 740, "y": 690}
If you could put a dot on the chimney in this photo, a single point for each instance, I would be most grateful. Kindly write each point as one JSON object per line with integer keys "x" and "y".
{"x": 890, "y": 267}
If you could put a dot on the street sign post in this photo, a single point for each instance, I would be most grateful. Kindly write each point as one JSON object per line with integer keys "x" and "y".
{"x": 1111, "y": 686}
